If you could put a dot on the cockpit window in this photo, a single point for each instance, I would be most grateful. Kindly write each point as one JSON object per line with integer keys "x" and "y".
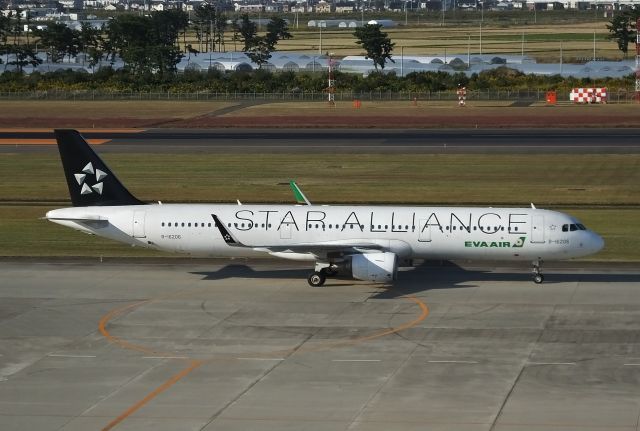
{"x": 573, "y": 227}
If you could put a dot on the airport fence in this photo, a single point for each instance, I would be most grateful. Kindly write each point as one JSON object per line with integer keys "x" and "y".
{"x": 530, "y": 95}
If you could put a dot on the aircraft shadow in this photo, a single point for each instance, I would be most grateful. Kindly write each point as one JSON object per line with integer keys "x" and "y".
{"x": 428, "y": 276}
{"x": 246, "y": 271}
{"x": 451, "y": 276}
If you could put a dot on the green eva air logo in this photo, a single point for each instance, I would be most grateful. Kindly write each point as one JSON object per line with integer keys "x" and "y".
{"x": 496, "y": 244}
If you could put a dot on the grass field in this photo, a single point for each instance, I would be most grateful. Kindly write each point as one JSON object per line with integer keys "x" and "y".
{"x": 21, "y": 109}
{"x": 602, "y": 190}
{"x": 541, "y": 41}
{"x": 546, "y": 179}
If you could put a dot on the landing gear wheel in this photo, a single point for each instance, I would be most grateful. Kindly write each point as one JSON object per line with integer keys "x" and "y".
{"x": 538, "y": 278}
{"x": 316, "y": 279}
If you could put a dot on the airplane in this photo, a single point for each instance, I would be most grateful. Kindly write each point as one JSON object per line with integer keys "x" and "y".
{"x": 367, "y": 242}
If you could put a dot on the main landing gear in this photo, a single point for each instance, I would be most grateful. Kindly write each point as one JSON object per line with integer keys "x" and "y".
{"x": 538, "y": 278}
{"x": 319, "y": 276}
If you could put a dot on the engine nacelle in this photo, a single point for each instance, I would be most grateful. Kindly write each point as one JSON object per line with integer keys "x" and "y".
{"x": 376, "y": 267}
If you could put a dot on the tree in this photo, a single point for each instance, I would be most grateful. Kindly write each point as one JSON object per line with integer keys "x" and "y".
{"x": 260, "y": 51}
{"x": 248, "y": 32}
{"x": 203, "y": 23}
{"x": 147, "y": 44}
{"x": 277, "y": 29}
{"x": 622, "y": 28}
{"x": 376, "y": 43}
{"x": 23, "y": 56}
{"x": 5, "y": 27}
{"x": 60, "y": 40}
{"x": 90, "y": 41}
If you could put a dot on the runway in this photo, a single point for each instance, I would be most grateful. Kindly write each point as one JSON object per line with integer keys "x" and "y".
{"x": 339, "y": 140}
{"x": 247, "y": 345}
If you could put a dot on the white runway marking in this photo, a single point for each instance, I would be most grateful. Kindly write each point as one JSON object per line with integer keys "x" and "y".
{"x": 164, "y": 357}
{"x": 551, "y": 363}
{"x": 632, "y": 365}
{"x": 54, "y": 355}
{"x": 261, "y": 359}
{"x": 453, "y": 362}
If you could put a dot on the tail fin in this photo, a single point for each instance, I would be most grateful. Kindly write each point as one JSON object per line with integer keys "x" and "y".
{"x": 90, "y": 181}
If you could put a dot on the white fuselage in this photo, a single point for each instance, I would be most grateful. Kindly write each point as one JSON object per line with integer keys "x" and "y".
{"x": 410, "y": 232}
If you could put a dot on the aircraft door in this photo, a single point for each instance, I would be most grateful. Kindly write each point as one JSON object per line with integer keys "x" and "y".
{"x": 285, "y": 231}
{"x": 138, "y": 224}
{"x": 537, "y": 229}
{"x": 424, "y": 235}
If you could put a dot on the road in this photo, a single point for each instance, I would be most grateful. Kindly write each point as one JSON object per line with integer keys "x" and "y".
{"x": 341, "y": 140}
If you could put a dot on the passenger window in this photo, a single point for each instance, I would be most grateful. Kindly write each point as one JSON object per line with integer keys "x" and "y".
{"x": 208, "y": 224}
{"x": 565, "y": 228}
{"x": 182, "y": 224}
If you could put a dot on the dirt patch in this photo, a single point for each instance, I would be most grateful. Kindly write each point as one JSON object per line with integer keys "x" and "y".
{"x": 319, "y": 115}
{"x": 82, "y": 123}
{"x": 377, "y": 121}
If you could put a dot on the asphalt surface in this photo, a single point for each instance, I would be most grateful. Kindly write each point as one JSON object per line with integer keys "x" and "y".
{"x": 221, "y": 345}
{"x": 350, "y": 140}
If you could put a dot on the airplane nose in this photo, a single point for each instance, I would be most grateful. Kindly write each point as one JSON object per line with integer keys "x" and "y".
{"x": 596, "y": 242}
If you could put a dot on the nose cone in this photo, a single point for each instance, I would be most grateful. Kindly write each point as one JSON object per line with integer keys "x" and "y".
{"x": 595, "y": 242}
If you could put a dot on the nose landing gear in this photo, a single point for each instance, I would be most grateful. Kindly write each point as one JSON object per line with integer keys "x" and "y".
{"x": 538, "y": 278}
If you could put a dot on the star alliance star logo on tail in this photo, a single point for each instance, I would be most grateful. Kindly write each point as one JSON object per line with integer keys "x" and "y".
{"x": 82, "y": 180}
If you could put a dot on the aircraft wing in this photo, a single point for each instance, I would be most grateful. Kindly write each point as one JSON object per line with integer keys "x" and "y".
{"x": 320, "y": 247}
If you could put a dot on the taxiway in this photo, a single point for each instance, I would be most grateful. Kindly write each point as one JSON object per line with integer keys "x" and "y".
{"x": 247, "y": 345}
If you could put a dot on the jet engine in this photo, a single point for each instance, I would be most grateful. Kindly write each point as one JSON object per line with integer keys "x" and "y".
{"x": 377, "y": 267}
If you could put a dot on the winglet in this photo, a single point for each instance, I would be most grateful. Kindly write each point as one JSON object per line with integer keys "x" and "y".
{"x": 228, "y": 238}
{"x": 297, "y": 193}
